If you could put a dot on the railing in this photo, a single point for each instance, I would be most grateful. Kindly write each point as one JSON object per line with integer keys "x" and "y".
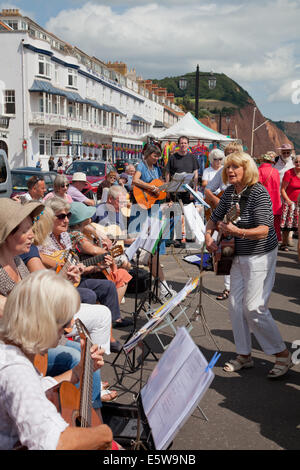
{"x": 47, "y": 119}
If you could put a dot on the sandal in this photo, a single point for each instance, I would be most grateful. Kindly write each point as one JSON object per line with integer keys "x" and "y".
{"x": 240, "y": 362}
{"x": 282, "y": 368}
{"x": 224, "y": 295}
{"x": 283, "y": 248}
{"x": 104, "y": 385}
{"x": 108, "y": 395}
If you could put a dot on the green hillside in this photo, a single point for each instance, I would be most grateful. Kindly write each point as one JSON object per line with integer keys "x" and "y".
{"x": 226, "y": 90}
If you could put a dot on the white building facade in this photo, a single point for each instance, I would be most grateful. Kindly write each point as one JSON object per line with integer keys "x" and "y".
{"x": 56, "y": 100}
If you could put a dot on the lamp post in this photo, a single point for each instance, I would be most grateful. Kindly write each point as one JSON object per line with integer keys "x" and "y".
{"x": 254, "y": 130}
{"x": 212, "y": 81}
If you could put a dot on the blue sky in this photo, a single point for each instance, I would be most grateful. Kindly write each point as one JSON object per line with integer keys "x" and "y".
{"x": 255, "y": 43}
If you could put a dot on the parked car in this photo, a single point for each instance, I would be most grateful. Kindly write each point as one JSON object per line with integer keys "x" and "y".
{"x": 95, "y": 170}
{"x": 20, "y": 176}
{"x": 121, "y": 164}
{"x": 5, "y": 175}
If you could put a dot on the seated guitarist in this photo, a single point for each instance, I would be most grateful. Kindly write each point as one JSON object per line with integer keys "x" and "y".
{"x": 82, "y": 245}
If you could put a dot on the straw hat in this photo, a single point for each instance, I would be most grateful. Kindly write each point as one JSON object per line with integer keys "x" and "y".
{"x": 80, "y": 212}
{"x": 267, "y": 158}
{"x": 12, "y": 213}
{"x": 79, "y": 177}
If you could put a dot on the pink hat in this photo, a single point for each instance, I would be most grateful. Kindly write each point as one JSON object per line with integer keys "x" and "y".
{"x": 285, "y": 147}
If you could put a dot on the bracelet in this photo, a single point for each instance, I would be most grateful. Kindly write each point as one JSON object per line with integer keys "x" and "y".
{"x": 243, "y": 236}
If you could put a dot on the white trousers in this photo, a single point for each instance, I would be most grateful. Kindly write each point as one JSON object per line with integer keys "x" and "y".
{"x": 251, "y": 282}
{"x": 97, "y": 319}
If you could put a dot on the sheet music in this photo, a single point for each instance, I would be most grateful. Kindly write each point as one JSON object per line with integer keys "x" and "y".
{"x": 195, "y": 222}
{"x": 197, "y": 195}
{"x": 159, "y": 314}
{"x": 150, "y": 233}
{"x": 177, "y": 182}
{"x": 174, "y": 388}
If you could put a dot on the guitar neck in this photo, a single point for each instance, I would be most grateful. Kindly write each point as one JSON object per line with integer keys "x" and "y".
{"x": 86, "y": 386}
{"x": 94, "y": 260}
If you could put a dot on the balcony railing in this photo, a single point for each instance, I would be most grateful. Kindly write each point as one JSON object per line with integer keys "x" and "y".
{"x": 68, "y": 122}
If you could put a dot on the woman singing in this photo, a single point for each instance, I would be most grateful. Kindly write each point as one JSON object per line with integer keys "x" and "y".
{"x": 253, "y": 270}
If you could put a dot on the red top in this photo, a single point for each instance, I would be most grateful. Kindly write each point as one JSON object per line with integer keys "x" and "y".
{"x": 269, "y": 177}
{"x": 293, "y": 187}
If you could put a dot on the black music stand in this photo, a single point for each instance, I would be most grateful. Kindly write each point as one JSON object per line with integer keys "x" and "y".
{"x": 199, "y": 311}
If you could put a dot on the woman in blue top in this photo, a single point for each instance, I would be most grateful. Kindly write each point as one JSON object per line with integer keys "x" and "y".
{"x": 146, "y": 172}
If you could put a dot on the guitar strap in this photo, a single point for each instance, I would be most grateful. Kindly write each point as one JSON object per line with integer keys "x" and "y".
{"x": 244, "y": 198}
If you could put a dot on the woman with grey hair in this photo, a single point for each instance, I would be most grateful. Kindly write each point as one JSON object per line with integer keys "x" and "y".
{"x": 60, "y": 189}
{"x": 216, "y": 158}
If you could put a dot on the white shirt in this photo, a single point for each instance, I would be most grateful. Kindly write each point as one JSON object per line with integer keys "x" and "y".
{"x": 215, "y": 185}
{"x": 208, "y": 173}
{"x": 282, "y": 166}
{"x": 26, "y": 415}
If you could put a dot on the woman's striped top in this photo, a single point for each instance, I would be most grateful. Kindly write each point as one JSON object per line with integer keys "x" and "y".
{"x": 257, "y": 211}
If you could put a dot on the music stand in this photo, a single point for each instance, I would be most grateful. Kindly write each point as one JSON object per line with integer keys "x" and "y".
{"x": 199, "y": 311}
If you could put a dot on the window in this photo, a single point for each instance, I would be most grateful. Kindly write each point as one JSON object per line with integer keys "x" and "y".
{"x": 13, "y": 24}
{"x": 72, "y": 78}
{"x": 44, "y": 144}
{"x": 56, "y": 74}
{"x": 3, "y": 170}
{"x": 44, "y": 66}
{"x": 9, "y": 102}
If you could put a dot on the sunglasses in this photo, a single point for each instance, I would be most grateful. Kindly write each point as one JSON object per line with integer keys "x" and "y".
{"x": 65, "y": 185}
{"x": 63, "y": 216}
{"x": 286, "y": 152}
{"x": 218, "y": 159}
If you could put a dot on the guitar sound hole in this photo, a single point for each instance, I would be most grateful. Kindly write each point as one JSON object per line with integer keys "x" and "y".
{"x": 227, "y": 251}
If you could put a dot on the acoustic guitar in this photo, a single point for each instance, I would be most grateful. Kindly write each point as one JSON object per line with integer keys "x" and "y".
{"x": 208, "y": 211}
{"x": 75, "y": 405}
{"x": 65, "y": 258}
{"x": 145, "y": 198}
{"x": 223, "y": 257}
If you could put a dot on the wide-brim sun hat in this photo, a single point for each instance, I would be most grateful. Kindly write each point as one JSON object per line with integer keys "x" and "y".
{"x": 80, "y": 212}
{"x": 12, "y": 213}
{"x": 285, "y": 147}
{"x": 79, "y": 176}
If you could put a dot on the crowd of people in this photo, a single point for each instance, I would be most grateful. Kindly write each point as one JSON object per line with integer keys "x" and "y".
{"x": 57, "y": 265}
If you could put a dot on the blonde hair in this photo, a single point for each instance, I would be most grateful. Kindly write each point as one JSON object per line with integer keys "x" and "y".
{"x": 233, "y": 147}
{"x": 42, "y": 226}
{"x": 251, "y": 175}
{"x": 36, "y": 309}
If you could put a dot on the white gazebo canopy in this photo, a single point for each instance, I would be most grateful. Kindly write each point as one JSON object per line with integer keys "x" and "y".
{"x": 191, "y": 128}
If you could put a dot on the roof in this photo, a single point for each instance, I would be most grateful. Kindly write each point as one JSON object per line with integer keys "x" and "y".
{"x": 40, "y": 86}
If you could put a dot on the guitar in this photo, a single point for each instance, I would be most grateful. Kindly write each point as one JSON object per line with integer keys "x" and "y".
{"x": 65, "y": 258}
{"x": 75, "y": 405}
{"x": 208, "y": 211}
{"x": 223, "y": 257}
{"x": 145, "y": 198}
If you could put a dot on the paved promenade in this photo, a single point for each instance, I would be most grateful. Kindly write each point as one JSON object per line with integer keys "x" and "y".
{"x": 245, "y": 410}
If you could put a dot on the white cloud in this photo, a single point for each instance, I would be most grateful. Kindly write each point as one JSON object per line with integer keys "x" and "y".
{"x": 249, "y": 41}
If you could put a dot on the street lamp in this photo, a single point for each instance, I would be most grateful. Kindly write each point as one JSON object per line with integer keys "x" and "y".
{"x": 212, "y": 81}
{"x": 254, "y": 130}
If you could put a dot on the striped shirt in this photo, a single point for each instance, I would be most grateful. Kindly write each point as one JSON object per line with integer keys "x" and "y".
{"x": 257, "y": 211}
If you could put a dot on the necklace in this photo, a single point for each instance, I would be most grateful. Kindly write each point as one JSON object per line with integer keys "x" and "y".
{"x": 152, "y": 171}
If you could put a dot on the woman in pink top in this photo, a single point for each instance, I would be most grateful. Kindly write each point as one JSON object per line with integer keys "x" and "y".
{"x": 290, "y": 191}
{"x": 269, "y": 177}
{"x": 60, "y": 188}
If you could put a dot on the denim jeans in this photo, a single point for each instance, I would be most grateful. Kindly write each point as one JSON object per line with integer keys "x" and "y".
{"x": 63, "y": 358}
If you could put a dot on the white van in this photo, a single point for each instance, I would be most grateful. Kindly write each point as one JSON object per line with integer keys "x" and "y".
{"x": 5, "y": 176}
